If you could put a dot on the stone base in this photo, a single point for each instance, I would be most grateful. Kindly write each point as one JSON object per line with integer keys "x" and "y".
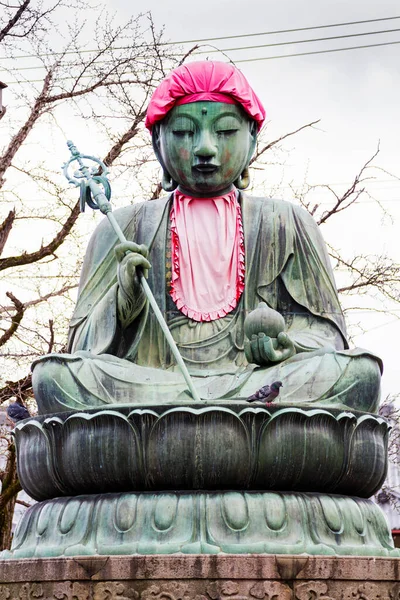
{"x": 201, "y": 578}
{"x": 203, "y": 523}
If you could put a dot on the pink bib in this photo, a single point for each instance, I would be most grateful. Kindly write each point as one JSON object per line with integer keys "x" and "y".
{"x": 207, "y": 255}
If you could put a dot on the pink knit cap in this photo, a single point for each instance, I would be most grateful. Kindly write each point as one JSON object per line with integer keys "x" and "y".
{"x": 204, "y": 80}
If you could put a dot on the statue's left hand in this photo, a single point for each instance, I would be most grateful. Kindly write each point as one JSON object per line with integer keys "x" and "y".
{"x": 264, "y": 350}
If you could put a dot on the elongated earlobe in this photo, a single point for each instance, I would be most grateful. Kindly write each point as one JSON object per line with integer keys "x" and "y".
{"x": 167, "y": 183}
{"x": 243, "y": 181}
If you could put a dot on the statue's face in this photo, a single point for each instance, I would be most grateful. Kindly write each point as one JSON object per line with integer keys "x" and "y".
{"x": 205, "y": 146}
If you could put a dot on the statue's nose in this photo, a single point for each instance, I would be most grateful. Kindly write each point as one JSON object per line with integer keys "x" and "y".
{"x": 205, "y": 146}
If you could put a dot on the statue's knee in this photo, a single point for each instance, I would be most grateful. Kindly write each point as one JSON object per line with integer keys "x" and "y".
{"x": 44, "y": 372}
{"x": 364, "y": 374}
{"x": 49, "y": 377}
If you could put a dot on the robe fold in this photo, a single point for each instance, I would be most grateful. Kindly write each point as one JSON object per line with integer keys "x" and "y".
{"x": 287, "y": 267}
{"x": 280, "y": 240}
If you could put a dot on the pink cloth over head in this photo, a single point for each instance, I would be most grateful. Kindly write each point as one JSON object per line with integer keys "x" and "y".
{"x": 204, "y": 80}
{"x": 208, "y": 269}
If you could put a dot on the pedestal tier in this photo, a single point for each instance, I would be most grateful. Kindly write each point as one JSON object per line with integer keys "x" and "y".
{"x": 216, "y": 447}
{"x": 203, "y": 523}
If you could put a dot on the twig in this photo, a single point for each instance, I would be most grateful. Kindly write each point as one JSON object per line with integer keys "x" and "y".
{"x": 283, "y": 137}
{"x": 350, "y": 196}
{"x": 23, "y": 503}
{"x": 41, "y": 299}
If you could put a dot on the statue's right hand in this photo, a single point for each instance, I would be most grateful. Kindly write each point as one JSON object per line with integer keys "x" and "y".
{"x": 130, "y": 256}
{"x": 263, "y": 350}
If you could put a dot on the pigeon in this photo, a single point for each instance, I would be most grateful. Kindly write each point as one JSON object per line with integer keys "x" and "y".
{"x": 266, "y": 394}
{"x": 17, "y": 411}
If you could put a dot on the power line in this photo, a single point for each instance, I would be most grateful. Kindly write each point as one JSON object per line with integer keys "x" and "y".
{"x": 238, "y": 48}
{"x": 240, "y": 60}
{"x": 323, "y": 39}
{"x": 232, "y": 37}
{"x": 226, "y": 37}
{"x": 314, "y": 52}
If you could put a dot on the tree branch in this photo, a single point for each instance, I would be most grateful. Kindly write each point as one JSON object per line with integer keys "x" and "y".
{"x": 14, "y": 20}
{"x": 89, "y": 89}
{"x": 283, "y": 137}
{"x": 370, "y": 272}
{"x": 23, "y": 503}
{"x": 21, "y": 389}
{"x": 36, "y": 17}
{"x": 41, "y": 299}
{"x": 51, "y": 340}
{"x": 350, "y": 195}
{"x": 116, "y": 149}
{"x": 5, "y": 229}
{"x": 37, "y": 110}
{"x": 49, "y": 249}
{"x": 15, "y": 321}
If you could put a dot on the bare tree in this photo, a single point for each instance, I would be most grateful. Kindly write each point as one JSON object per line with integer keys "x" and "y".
{"x": 25, "y": 19}
{"x": 365, "y": 274}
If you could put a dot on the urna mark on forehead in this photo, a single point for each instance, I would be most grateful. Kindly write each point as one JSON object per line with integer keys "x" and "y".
{"x": 204, "y": 81}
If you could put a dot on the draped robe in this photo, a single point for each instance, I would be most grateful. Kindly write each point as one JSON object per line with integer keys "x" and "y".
{"x": 287, "y": 267}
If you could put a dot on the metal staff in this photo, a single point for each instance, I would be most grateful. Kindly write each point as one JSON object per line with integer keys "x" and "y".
{"x": 92, "y": 194}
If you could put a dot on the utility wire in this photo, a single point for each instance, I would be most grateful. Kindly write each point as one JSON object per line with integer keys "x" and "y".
{"x": 232, "y": 37}
{"x": 314, "y": 52}
{"x": 323, "y": 39}
{"x": 226, "y": 37}
{"x": 243, "y": 60}
{"x": 238, "y": 48}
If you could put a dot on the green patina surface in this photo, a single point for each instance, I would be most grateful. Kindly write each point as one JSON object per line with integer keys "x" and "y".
{"x": 138, "y": 432}
{"x": 203, "y": 523}
{"x": 210, "y": 448}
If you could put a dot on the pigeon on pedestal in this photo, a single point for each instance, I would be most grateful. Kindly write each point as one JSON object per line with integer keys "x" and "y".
{"x": 17, "y": 411}
{"x": 267, "y": 393}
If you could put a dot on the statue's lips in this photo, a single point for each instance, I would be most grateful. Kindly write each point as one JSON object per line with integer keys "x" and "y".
{"x": 208, "y": 168}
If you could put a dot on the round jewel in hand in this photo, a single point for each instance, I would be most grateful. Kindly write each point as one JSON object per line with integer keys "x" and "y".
{"x": 264, "y": 320}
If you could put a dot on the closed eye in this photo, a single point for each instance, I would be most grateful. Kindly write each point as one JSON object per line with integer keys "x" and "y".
{"x": 226, "y": 132}
{"x": 182, "y": 133}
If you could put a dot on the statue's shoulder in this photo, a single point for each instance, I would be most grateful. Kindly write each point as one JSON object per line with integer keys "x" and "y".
{"x": 124, "y": 216}
{"x": 126, "y": 213}
{"x": 147, "y": 205}
{"x": 276, "y": 206}
{"x": 281, "y": 214}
